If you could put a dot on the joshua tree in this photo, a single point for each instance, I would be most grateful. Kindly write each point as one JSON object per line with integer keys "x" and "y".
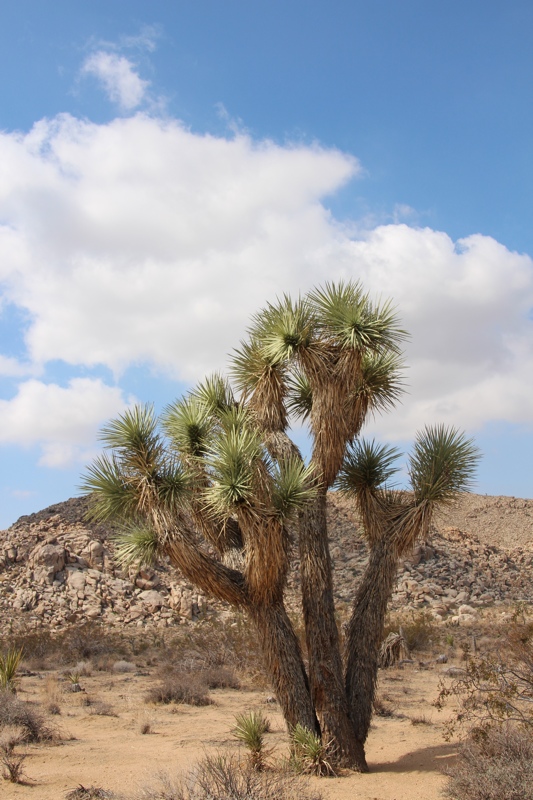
{"x": 228, "y": 473}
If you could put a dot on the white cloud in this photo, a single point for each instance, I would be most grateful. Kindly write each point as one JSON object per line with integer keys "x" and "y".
{"x": 62, "y": 421}
{"x": 117, "y": 74}
{"x": 139, "y": 241}
{"x": 12, "y": 368}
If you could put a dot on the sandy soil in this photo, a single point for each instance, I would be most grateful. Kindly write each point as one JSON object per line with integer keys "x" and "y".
{"x": 110, "y": 752}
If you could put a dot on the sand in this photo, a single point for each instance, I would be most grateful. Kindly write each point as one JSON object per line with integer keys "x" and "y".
{"x": 109, "y": 751}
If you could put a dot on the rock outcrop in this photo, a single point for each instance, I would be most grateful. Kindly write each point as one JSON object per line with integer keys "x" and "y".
{"x": 57, "y": 569}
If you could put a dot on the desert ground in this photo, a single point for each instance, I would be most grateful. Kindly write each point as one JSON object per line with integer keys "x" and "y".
{"x": 102, "y": 744}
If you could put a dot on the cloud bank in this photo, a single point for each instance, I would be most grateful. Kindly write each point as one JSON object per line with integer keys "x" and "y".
{"x": 141, "y": 242}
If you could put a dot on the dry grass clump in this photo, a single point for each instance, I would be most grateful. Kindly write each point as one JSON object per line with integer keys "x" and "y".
{"x": 17, "y": 713}
{"x": 382, "y": 706}
{"x": 497, "y": 765}
{"x": 89, "y": 793}
{"x": 224, "y": 777}
{"x": 53, "y": 695}
{"x": 221, "y": 678}
{"x": 12, "y": 769}
{"x": 420, "y": 719}
{"x": 101, "y": 708}
{"x": 180, "y": 687}
{"x": 124, "y": 666}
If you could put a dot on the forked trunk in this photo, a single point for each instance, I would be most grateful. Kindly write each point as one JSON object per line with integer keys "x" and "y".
{"x": 325, "y": 665}
{"x": 283, "y": 658}
{"x": 365, "y": 634}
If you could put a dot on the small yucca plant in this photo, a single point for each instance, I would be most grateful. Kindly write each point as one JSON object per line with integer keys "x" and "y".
{"x": 310, "y": 755}
{"x": 250, "y": 729}
{"x": 9, "y": 664}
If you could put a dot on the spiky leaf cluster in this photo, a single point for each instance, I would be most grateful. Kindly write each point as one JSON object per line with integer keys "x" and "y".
{"x": 443, "y": 463}
{"x": 137, "y": 545}
{"x": 368, "y": 466}
{"x": 139, "y": 479}
{"x": 346, "y": 315}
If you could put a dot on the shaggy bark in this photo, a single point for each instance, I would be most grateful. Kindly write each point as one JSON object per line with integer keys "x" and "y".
{"x": 365, "y": 634}
{"x": 279, "y": 643}
{"x": 283, "y": 658}
{"x": 325, "y": 665}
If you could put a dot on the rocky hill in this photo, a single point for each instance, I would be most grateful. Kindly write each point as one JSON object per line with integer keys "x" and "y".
{"x": 57, "y": 569}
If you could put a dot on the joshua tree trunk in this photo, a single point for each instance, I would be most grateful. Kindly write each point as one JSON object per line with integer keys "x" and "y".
{"x": 279, "y": 643}
{"x": 365, "y": 633}
{"x": 283, "y": 659}
{"x": 325, "y": 665}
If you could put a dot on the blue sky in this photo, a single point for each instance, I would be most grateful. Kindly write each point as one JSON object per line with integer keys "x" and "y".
{"x": 165, "y": 169}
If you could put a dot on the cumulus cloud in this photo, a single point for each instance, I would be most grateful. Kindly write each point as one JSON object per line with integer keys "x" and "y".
{"x": 139, "y": 241}
{"x": 119, "y": 78}
{"x": 63, "y": 421}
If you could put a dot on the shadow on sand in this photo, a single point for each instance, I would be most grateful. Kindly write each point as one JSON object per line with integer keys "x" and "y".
{"x": 426, "y": 759}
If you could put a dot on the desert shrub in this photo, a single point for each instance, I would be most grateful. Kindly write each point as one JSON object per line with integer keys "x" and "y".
{"x": 11, "y": 762}
{"x": 221, "y": 678}
{"x": 89, "y": 793}
{"x": 180, "y": 687}
{"x": 219, "y": 643}
{"x": 37, "y": 646}
{"x": 494, "y": 687}
{"x": 17, "y": 713}
{"x": 226, "y": 778}
{"x": 496, "y": 765}
{"x": 309, "y": 754}
{"x": 124, "y": 667}
{"x": 382, "y": 706}
{"x": 100, "y": 708}
{"x": 73, "y": 644}
{"x": 417, "y": 629}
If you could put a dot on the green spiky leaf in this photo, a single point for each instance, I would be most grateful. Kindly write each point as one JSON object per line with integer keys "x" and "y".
{"x": 136, "y": 546}
{"x": 134, "y": 438}
{"x": 188, "y": 424}
{"x": 294, "y": 486}
{"x": 346, "y": 313}
{"x": 443, "y": 463}
{"x": 300, "y": 396}
{"x": 367, "y": 466}
{"x": 214, "y": 393}
{"x": 284, "y": 329}
{"x": 113, "y": 495}
{"x": 232, "y": 464}
{"x": 381, "y": 380}
{"x": 249, "y": 365}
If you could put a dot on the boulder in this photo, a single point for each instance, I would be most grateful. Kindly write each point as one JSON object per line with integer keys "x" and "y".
{"x": 47, "y": 560}
{"x": 153, "y": 599}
